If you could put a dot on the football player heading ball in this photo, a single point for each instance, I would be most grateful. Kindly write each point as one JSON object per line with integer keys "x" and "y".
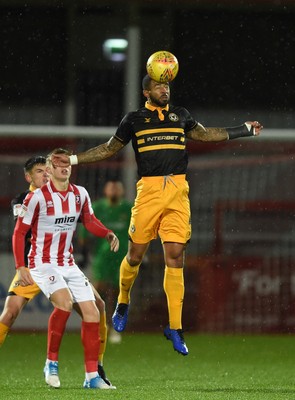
{"x": 159, "y": 133}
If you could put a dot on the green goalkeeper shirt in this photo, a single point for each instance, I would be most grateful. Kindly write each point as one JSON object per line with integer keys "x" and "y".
{"x": 105, "y": 263}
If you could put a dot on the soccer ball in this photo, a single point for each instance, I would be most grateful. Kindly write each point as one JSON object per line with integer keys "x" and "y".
{"x": 162, "y": 66}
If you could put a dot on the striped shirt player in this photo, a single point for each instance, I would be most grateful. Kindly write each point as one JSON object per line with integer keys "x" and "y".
{"x": 52, "y": 213}
{"x": 159, "y": 132}
{"x": 18, "y": 296}
{"x": 53, "y": 218}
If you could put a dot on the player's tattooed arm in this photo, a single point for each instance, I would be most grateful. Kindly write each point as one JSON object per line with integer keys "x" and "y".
{"x": 204, "y": 134}
{"x": 97, "y": 153}
{"x": 100, "y": 152}
{"x": 200, "y": 133}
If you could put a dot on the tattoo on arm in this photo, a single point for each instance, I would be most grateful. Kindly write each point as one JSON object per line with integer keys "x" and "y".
{"x": 200, "y": 133}
{"x": 104, "y": 150}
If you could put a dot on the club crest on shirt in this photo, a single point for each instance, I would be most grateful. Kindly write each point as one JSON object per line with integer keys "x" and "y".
{"x": 49, "y": 204}
{"x": 78, "y": 199}
{"x": 173, "y": 117}
{"x": 132, "y": 228}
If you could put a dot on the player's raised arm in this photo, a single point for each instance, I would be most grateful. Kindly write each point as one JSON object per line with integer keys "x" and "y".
{"x": 205, "y": 134}
{"x": 104, "y": 150}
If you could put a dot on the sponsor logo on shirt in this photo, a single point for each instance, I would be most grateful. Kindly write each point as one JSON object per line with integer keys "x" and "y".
{"x": 167, "y": 137}
{"x": 66, "y": 220}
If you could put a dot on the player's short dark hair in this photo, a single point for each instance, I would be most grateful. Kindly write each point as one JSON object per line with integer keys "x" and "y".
{"x": 58, "y": 150}
{"x": 31, "y": 162}
{"x": 146, "y": 82}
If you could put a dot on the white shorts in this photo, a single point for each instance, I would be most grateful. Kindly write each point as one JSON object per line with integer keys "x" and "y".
{"x": 51, "y": 278}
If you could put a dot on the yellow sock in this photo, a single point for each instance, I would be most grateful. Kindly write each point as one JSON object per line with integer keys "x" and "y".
{"x": 174, "y": 289}
{"x": 128, "y": 275}
{"x": 4, "y": 329}
{"x": 103, "y": 333}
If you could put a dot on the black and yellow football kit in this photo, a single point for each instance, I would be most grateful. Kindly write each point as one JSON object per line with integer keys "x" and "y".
{"x": 162, "y": 205}
{"x": 158, "y": 138}
{"x": 31, "y": 291}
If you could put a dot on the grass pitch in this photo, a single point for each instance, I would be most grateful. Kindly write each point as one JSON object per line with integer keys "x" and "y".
{"x": 144, "y": 366}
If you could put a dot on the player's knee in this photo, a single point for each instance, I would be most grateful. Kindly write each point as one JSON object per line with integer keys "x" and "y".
{"x": 174, "y": 261}
{"x": 63, "y": 304}
{"x": 174, "y": 255}
{"x": 100, "y": 304}
{"x": 90, "y": 315}
{"x": 134, "y": 260}
{"x": 136, "y": 253}
{"x": 68, "y": 305}
{"x": 9, "y": 315}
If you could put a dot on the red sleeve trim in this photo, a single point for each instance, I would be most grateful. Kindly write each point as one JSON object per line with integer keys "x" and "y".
{"x": 18, "y": 242}
{"x": 94, "y": 226}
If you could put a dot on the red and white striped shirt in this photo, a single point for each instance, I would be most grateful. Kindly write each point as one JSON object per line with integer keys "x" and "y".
{"x": 52, "y": 216}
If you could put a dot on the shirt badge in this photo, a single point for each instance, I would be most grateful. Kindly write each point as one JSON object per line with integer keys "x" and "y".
{"x": 173, "y": 117}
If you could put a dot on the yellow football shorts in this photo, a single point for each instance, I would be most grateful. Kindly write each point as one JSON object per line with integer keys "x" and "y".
{"x": 28, "y": 292}
{"x": 161, "y": 208}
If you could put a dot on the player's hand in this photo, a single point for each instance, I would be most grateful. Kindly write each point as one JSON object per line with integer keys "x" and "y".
{"x": 60, "y": 160}
{"x": 113, "y": 241}
{"x": 257, "y": 127}
{"x": 24, "y": 277}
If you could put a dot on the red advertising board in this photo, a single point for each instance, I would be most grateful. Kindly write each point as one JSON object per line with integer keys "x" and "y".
{"x": 244, "y": 295}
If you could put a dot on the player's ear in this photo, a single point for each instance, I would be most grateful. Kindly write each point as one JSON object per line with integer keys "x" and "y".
{"x": 28, "y": 177}
{"x": 146, "y": 93}
{"x": 48, "y": 169}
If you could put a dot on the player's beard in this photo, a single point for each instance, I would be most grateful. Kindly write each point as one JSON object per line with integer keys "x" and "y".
{"x": 114, "y": 199}
{"x": 160, "y": 102}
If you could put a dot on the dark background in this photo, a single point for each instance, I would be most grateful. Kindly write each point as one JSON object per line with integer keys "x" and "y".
{"x": 232, "y": 55}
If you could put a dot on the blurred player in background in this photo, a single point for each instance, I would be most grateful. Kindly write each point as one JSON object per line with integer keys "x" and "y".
{"x": 18, "y": 296}
{"x": 115, "y": 214}
{"x": 159, "y": 132}
{"x": 45, "y": 212}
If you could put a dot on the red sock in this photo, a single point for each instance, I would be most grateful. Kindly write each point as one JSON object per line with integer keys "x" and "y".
{"x": 56, "y": 327}
{"x": 91, "y": 342}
